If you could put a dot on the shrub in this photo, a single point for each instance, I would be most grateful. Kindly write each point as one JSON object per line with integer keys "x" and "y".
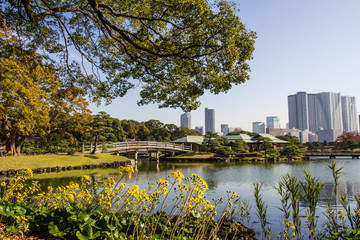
{"x": 249, "y": 154}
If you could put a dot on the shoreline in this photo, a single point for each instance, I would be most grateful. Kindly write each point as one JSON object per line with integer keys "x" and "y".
{"x": 115, "y": 164}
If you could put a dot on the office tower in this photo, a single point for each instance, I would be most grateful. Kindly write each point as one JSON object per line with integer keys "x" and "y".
{"x": 328, "y": 114}
{"x": 348, "y": 106}
{"x": 200, "y": 129}
{"x": 298, "y": 111}
{"x": 209, "y": 120}
{"x": 258, "y": 127}
{"x": 185, "y": 120}
{"x": 272, "y": 122}
{"x": 225, "y": 129}
{"x": 325, "y": 111}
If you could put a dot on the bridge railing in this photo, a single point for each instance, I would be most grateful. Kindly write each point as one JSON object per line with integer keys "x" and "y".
{"x": 333, "y": 151}
{"x": 139, "y": 144}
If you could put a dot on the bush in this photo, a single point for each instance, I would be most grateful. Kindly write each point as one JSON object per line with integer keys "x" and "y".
{"x": 249, "y": 154}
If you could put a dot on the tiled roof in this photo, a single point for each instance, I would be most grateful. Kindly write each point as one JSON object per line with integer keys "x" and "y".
{"x": 190, "y": 139}
{"x": 244, "y": 137}
{"x": 247, "y": 139}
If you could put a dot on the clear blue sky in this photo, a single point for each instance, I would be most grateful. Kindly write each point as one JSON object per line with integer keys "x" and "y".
{"x": 306, "y": 45}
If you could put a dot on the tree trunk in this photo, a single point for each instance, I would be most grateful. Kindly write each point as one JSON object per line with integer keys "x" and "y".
{"x": 95, "y": 146}
{"x": 19, "y": 142}
{"x": 12, "y": 138}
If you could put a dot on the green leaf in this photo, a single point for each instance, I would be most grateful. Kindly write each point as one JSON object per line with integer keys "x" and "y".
{"x": 80, "y": 236}
{"x": 54, "y": 230}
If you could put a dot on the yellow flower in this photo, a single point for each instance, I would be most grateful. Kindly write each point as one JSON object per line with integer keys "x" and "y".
{"x": 86, "y": 178}
{"x": 358, "y": 213}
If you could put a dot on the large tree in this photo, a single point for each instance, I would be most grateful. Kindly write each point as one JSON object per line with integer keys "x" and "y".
{"x": 31, "y": 94}
{"x": 25, "y": 85}
{"x": 174, "y": 49}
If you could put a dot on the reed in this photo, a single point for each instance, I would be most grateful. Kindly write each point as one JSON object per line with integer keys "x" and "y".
{"x": 261, "y": 208}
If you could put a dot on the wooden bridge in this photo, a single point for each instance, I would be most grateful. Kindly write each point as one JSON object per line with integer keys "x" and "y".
{"x": 332, "y": 154}
{"x": 136, "y": 147}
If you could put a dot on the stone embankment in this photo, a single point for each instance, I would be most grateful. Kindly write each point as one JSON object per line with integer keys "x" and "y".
{"x": 11, "y": 172}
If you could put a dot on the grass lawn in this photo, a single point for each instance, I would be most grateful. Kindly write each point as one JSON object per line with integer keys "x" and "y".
{"x": 194, "y": 155}
{"x": 53, "y": 160}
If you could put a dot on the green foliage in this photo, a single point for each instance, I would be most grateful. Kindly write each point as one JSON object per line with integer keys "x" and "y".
{"x": 216, "y": 144}
{"x": 34, "y": 102}
{"x": 105, "y": 210}
{"x": 239, "y": 146}
{"x": 176, "y": 49}
{"x": 312, "y": 146}
{"x": 291, "y": 151}
{"x": 348, "y": 140}
{"x": 242, "y": 132}
{"x": 351, "y": 144}
{"x": 157, "y": 131}
{"x": 346, "y": 235}
{"x": 224, "y": 151}
{"x": 250, "y": 154}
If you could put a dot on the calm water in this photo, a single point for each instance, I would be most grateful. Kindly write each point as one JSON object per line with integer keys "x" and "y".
{"x": 238, "y": 177}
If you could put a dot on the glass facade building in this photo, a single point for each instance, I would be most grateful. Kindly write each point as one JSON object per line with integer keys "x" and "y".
{"x": 185, "y": 120}
{"x": 209, "y": 120}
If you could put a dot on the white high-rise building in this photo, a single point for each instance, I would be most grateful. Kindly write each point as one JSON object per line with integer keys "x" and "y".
{"x": 209, "y": 120}
{"x": 328, "y": 114}
{"x": 185, "y": 120}
{"x": 325, "y": 111}
{"x": 272, "y": 122}
{"x": 258, "y": 127}
{"x": 349, "y": 115}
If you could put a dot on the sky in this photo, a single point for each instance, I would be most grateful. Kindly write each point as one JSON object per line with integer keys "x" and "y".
{"x": 306, "y": 45}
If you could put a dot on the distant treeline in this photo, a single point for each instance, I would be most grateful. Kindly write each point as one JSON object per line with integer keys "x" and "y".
{"x": 70, "y": 134}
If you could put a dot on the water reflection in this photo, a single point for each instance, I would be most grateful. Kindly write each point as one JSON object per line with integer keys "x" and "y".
{"x": 238, "y": 177}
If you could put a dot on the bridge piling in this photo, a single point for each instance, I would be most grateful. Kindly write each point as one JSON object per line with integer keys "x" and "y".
{"x": 136, "y": 156}
{"x": 157, "y": 156}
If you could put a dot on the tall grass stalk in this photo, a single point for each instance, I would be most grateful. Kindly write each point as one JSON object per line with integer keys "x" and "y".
{"x": 262, "y": 211}
{"x": 285, "y": 208}
{"x": 332, "y": 222}
{"x": 311, "y": 190}
{"x": 336, "y": 173}
{"x": 292, "y": 187}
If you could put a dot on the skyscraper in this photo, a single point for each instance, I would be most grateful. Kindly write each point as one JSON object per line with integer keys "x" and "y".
{"x": 185, "y": 120}
{"x": 258, "y": 127}
{"x": 200, "y": 129}
{"x": 348, "y": 105}
{"x": 272, "y": 122}
{"x": 298, "y": 111}
{"x": 325, "y": 113}
{"x": 225, "y": 129}
{"x": 209, "y": 120}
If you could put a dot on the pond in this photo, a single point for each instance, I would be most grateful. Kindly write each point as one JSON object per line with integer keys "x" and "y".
{"x": 238, "y": 177}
